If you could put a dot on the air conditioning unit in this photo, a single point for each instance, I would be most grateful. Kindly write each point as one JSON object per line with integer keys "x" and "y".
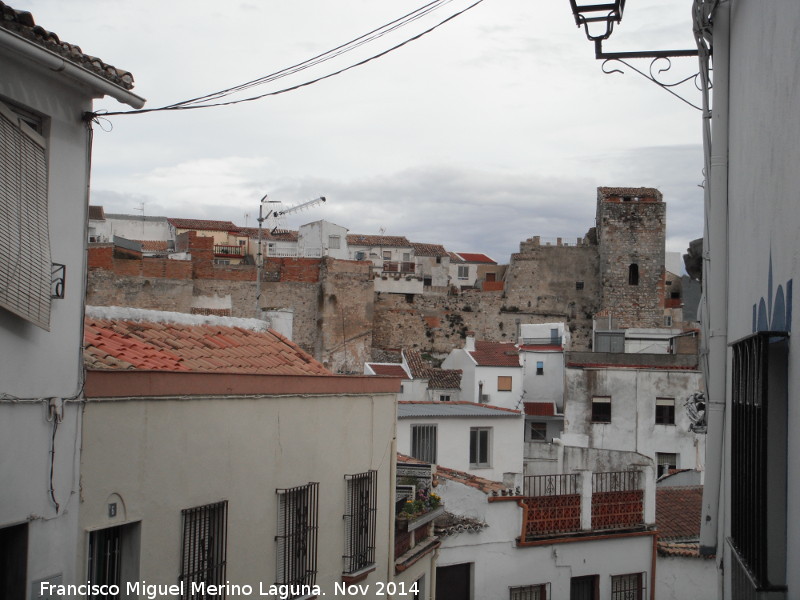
{"x": 484, "y": 398}
{"x": 94, "y": 239}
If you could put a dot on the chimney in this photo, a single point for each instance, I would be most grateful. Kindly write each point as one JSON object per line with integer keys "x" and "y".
{"x": 469, "y": 342}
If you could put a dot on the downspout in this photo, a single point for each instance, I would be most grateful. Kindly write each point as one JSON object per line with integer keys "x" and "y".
{"x": 715, "y": 287}
{"x": 56, "y": 63}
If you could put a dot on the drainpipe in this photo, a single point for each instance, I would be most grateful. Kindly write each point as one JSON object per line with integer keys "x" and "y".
{"x": 54, "y": 62}
{"x": 715, "y": 290}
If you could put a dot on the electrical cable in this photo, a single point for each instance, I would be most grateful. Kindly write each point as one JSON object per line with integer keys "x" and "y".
{"x": 195, "y": 103}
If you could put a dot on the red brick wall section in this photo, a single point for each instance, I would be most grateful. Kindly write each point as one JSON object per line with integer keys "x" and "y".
{"x": 300, "y": 269}
{"x": 101, "y": 257}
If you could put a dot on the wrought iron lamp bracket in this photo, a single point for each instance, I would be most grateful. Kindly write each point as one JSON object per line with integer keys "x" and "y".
{"x": 660, "y": 63}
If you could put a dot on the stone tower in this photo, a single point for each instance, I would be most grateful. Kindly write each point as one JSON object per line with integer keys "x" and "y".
{"x": 631, "y": 230}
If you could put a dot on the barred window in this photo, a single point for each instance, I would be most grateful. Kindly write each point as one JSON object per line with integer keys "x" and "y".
{"x": 528, "y": 592}
{"x": 25, "y": 266}
{"x": 665, "y": 462}
{"x": 359, "y": 521}
{"x": 758, "y": 460}
{"x": 627, "y": 587}
{"x": 298, "y": 525}
{"x": 423, "y": 443}
{"x": 204, "y": 547}
{"x": 601, "y": 409}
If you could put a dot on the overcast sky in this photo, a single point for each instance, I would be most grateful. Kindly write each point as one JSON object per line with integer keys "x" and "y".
{"x": 497, "y": 126}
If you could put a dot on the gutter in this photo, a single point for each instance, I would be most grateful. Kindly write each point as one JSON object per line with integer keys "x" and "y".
{"x": 54, "y": 62}
{"x": 715, "y": 287}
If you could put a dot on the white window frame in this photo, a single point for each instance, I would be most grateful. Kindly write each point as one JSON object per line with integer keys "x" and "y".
{"x": 334, "y": 242}
{"x": 463, "y": 271}
{"x": 480, "y": 447}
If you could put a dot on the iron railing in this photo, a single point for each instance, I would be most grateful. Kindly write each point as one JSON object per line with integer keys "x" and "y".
{"x": 298, "y": 526}
{"x": 550, "y": 485}
{"x": 616, "y": 481}
{"x": 104, "y": 560}
{"x": 204, "y": 548}
{"x": 542, "y": 341}
{"x": 224, "y": 250}
{"x": 399, "y": 267}
{"x": 359, "y": 521}
{"x": 423, "y": 443}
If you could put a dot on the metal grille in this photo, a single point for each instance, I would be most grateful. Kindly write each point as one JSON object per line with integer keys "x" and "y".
{"x": 423, "y": 443}
{"x": 755, "y": 478}
{"x": 25, "y": 273}
{"x": 616, "y": 481}
{"x": 628, "y": 587}
{"x": 550, "y": 485}
{"x": 359, "y": 521}
{"x": 298, "y": 525}
{"x": 204, "y": 548}
{"x": 529, "y": 592}
{"x": 104, "y": 560}
{"x": 665, "y": 411}
{"x": 617, "y": 500}
{"x": 601, "y": 409}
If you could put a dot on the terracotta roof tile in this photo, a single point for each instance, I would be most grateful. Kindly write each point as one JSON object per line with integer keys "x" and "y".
{"x": 283, "y": 235}
{"x": 95, "y": 212}
{"x": 495, "y": 354}
{"x": 395, "y": 370}
{"x": 444, "y": 379}
{"x": 678, "y": 512}
{"x": 122, "y": 344}
{"x": 397, "y": 241}
{"x": 203, "y": 225}
{"x": 487, "y": 486}
{"x": 428, "y": 249}
{"x": 153, "y": 245}
{"x": 416, "y": 364}
{"x": 473, "y": 257}
{"x": 21, "y": 23}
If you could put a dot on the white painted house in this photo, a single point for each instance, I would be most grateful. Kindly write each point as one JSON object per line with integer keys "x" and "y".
{"x": 480, "y": 439}
{"x": 323, "y": 238}
{"x": 46, "y": 89}
{"x": 491, "y": 372}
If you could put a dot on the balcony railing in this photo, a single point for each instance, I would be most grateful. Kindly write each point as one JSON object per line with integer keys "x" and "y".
{"x": 282, "y": 252}
{"x": 222, "y": 250}
{"x": 617, "y": 500}
{"x": 579, "y": 503}
{"x": 399, "y": 267}
{"x": 541, "y": 341}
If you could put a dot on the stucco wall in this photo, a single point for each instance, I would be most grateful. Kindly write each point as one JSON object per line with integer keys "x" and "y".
{"x": 453, "y": 440}
{"x": 679, "y": 578}
{"x": 161, "y": 456}
{"x": 633, "y": 396}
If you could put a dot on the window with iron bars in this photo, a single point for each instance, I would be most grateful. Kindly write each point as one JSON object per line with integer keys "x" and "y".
{"x": 423, "y": 443}
{"x": 627, "y": 587}
{"x": 359, "y": 521}
{"x": 204, "y": 547}
{"x": 758, "y": 453}
{"x": 298, "y": 526}
{"x": 529, "y": 592}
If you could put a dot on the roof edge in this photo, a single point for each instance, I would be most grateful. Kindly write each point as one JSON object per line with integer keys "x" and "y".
{"x": 144, "y": 384}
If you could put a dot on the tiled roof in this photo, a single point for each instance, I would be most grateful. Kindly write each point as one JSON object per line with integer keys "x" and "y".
{"x": 141, "y": 345}
{"x": 154, "y": 245}
{"x": 685, "y": 549}
{"x": 406, "y": 409}
{"x": 495, "y": 354}
{"x": 397, "y": 241}
{"x": 678, "y": 512}
{"x": 542, "y": 348}
{"x": 444, "y": 379}
{"x": 416, "y": 365}
{"x": 284, "y": 235}
{"x": 96, "y": 213}
{"x": 539, "y": 409}
{"x": 395, "y": 370}
{"x": 455, "y": 258}
{"x": 203, "y": 225}
{"x": 428, "y": 249}
{"x": 487, "y": 486}
{"x": 22, "y": 23}
{"x": 583, "y": 365}
{"x": 472, "y": 257}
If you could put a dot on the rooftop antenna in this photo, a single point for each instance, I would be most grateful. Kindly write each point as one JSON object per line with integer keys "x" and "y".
{"x": 141, "y": 208}
{"x": 273, "y": 215}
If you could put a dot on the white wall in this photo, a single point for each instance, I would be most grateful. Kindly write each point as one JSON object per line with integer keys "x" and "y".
{"x": 633, "y": 397}
{"x": 682, "y": 577}
{"x": 499, "y": 564}
{"x": 134, "y": 228}
{"x": 547, "y": 387}
{"x": 763, "y": 184}
{"x": 453, "y": 435}
{"x": 161, "y": 456}
{"x": 313, "y": 239}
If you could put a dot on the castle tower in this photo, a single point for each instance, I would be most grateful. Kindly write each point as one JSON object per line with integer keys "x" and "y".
{"x": 631, "y": 230}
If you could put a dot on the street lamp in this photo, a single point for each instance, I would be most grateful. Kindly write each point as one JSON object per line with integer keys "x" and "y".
{"x": 586, "y": 15}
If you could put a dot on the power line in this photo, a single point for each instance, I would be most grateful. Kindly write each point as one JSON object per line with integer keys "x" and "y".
{"x": 202, "y": 101}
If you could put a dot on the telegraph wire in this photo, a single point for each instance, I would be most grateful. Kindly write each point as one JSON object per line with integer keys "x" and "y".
{"x": 195, "y": 103}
